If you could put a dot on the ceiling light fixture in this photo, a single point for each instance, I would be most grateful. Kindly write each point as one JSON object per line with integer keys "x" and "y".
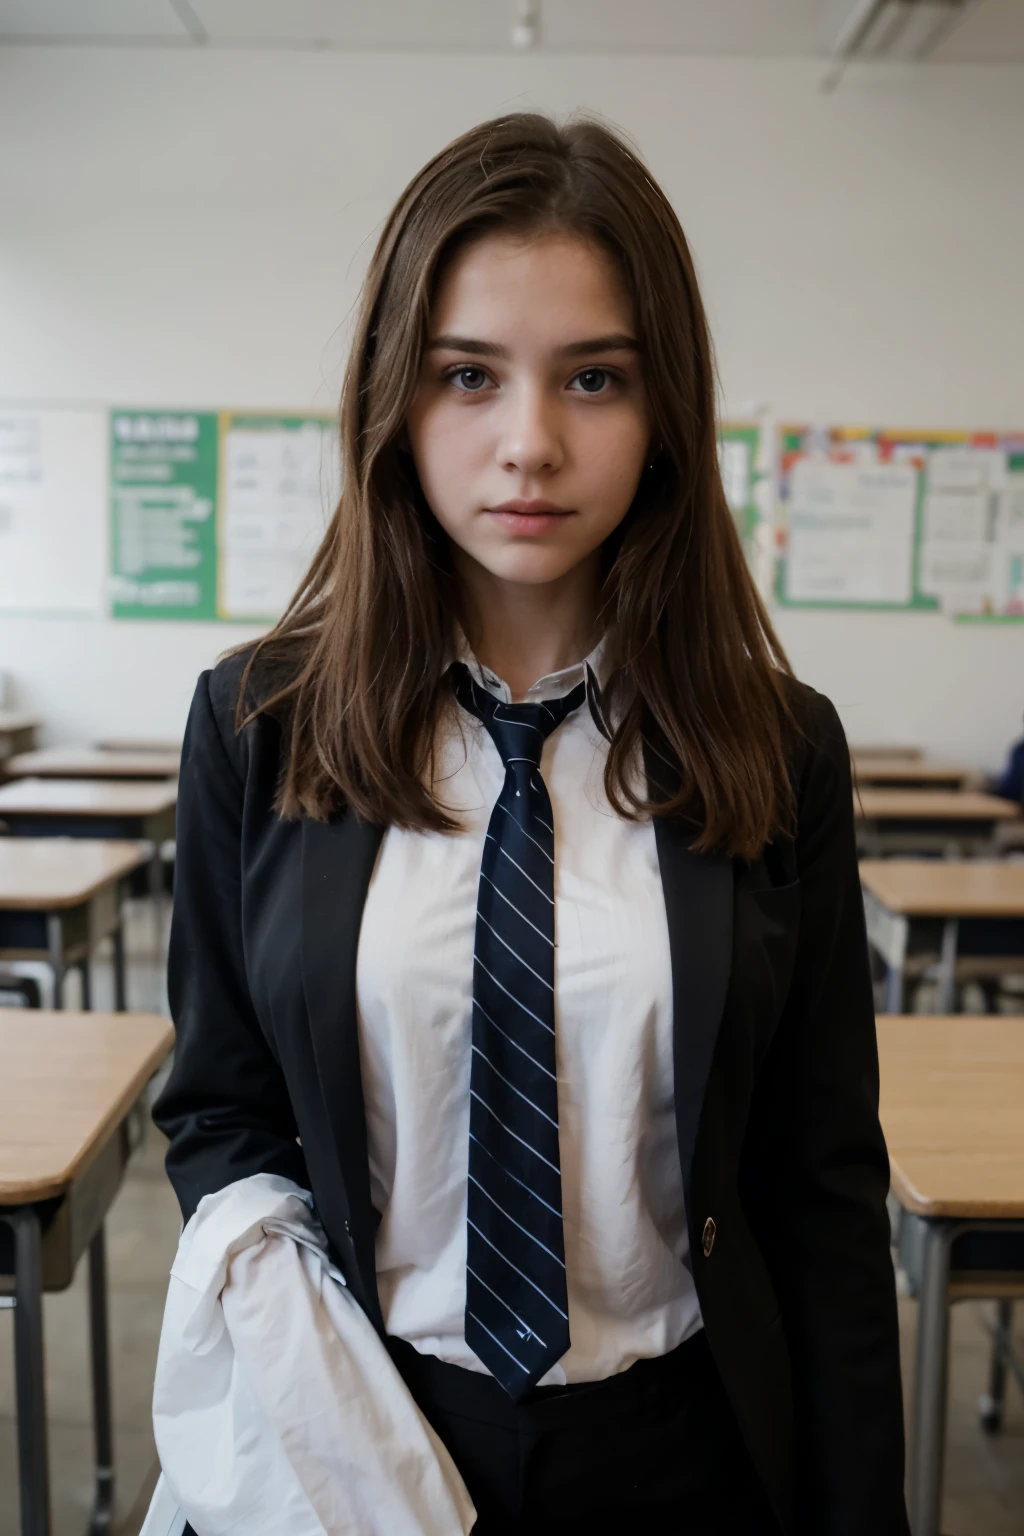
{"x": 526, "y": 31}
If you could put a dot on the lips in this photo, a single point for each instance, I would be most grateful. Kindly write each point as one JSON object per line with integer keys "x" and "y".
{"x": 531, "y": 508}
{"x": 529, "y": 517}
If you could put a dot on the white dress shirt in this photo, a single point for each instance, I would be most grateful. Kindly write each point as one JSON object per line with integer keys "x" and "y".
{"x": 631, "y": 1292}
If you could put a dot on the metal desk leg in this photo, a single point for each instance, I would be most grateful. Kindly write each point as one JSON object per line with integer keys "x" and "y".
{"x": 85, "y": 964}
{"x": 156, "y": 894}
{"x": 120, "y": 990}
{"x": 55, "y": 944}
{"x": 992, "y": 1402}
{"x": 99, "y": 1348}
{"x": 894, "y": 989}
{"x": 931, "y": 1381}
{"x": 947, "y": 964}
{"x": 30, "y": 1381}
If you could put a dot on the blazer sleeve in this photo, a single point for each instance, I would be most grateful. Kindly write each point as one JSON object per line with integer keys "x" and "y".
{"x": 822, "y": 1188}
{"x": 225, "y": 1108}
{"x": 1010, "y": 783}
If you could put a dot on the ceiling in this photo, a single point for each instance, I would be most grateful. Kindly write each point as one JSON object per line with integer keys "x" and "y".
{"x": 992, "y": 31}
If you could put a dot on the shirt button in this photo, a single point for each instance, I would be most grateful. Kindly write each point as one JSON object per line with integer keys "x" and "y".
{"x": 708, "y": 1241}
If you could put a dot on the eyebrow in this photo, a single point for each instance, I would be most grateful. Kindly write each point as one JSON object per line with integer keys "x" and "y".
{"x": 616, "y": 341}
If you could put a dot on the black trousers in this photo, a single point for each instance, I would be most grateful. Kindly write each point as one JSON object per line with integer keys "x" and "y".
{"x": 654, "y": 1449}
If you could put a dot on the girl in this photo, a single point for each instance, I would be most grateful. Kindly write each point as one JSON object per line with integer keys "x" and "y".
{"x": 517, "y": 913}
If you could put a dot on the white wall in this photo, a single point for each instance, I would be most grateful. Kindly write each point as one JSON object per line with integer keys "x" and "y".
{"x": 189, "y": 228}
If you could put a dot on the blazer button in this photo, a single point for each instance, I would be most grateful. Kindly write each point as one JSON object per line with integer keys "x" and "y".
{"x": 709, "y": 1237}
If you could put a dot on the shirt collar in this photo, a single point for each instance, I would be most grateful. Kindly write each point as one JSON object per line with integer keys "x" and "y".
{"x": 552, "y": 686}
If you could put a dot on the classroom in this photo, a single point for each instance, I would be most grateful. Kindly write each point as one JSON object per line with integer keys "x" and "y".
{"x": 738, "y": 285}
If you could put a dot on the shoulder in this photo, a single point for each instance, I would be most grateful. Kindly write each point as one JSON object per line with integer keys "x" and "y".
{"x": 224, "y": 681}
{"x": 821, "y": 771}
{"x": 218, "y": 707}
{"x": 817, "y": 729}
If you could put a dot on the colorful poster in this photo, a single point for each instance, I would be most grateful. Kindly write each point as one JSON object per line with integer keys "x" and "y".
{"x": 163, "y": 496}
{"x": 885, "y": 519}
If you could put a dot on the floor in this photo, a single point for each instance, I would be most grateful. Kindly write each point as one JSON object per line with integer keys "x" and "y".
{"x": 984, "y": 1476}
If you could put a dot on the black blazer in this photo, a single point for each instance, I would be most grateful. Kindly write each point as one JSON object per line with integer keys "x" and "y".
{"x": 776, "y": 1086}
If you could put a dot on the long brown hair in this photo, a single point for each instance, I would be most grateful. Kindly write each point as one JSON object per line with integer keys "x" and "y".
{"x": 355, "y": 670}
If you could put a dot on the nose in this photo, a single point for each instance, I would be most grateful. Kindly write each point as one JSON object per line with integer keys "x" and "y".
{"x": 530, "y": 440}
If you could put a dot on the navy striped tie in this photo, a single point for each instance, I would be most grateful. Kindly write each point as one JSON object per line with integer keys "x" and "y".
{"x": 517, "y": 1310}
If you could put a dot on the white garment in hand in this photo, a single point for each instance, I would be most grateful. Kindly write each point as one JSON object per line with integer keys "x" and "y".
{"x": 276, "y": 1406}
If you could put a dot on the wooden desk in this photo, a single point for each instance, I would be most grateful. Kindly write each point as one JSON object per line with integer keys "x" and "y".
{"x": 139, "y": 744}
{"x": 900, "y": 773}
{"x": 89, "y": 808}
{"x": 951, "y": 1096}
{"x": 907, "y": 754}
{"x": 17, "y": 732}
{"x": 966, "y": 914}
{"x": 94, "y": 808}
{"x": 59, "y": 897}
{"x": 92, "y": 763}
{"x": 67, "y": 1088}
{"x": 911, "y": 821}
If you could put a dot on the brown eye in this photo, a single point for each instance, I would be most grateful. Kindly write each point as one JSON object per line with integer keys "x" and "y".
{"x": 592, "y": 380}
{"x": 471, "y": 380}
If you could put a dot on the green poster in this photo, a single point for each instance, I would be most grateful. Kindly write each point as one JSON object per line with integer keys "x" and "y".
{"x": 163, "y": 491}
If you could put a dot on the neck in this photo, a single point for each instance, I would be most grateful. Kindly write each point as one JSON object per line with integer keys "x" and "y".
{"x": 522, "y": 630}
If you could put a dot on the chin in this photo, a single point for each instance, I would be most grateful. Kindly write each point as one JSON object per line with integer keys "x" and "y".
{"x": 533, "y": 567}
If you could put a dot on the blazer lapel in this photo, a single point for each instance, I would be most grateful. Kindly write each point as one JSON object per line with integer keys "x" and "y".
{"x": 337, "y": 862}
{"x": 698, "y": 889}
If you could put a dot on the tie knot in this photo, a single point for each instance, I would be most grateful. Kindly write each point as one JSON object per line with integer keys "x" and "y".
{"x": 519, "y": 731}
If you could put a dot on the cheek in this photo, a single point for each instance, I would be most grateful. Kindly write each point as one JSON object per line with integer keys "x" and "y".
{"x": 447, "y": 454}
{"x": 610, "y": 456}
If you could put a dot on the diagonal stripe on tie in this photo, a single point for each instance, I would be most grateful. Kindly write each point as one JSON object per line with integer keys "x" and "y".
{"x": 517, "y": 1310}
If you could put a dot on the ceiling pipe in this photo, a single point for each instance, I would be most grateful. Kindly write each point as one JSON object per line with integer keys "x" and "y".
{"x": 866, "y": 15}
{"x": 901, "y": 12}
{"x": 853, "y": 33}
{"x": 944, "y": 24}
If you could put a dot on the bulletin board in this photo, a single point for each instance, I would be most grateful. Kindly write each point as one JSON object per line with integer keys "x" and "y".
{"x": 882, "y": 519}
{"x": 53, "y": 495}
{"x": 216, "y": 514}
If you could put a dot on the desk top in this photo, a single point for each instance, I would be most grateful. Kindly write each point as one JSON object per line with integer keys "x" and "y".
{"x": 946, "y": 887}
{"x": 17, "y": 720}
{"x": 87, "y": 797}
{"x": 952, "y": 1091}
{"x": 50, "y": 873}
{"x": 146, "y": 744}
{"x": 895, "y": 770}
{"x": 68, "y": 1080}
{"x": 904, "y": 754}
{"x": 932, "y": 805}
{"x": 92, "y": 763}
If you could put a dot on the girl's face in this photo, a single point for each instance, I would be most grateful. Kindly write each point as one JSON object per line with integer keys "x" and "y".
{"x": 530, "y": 425}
